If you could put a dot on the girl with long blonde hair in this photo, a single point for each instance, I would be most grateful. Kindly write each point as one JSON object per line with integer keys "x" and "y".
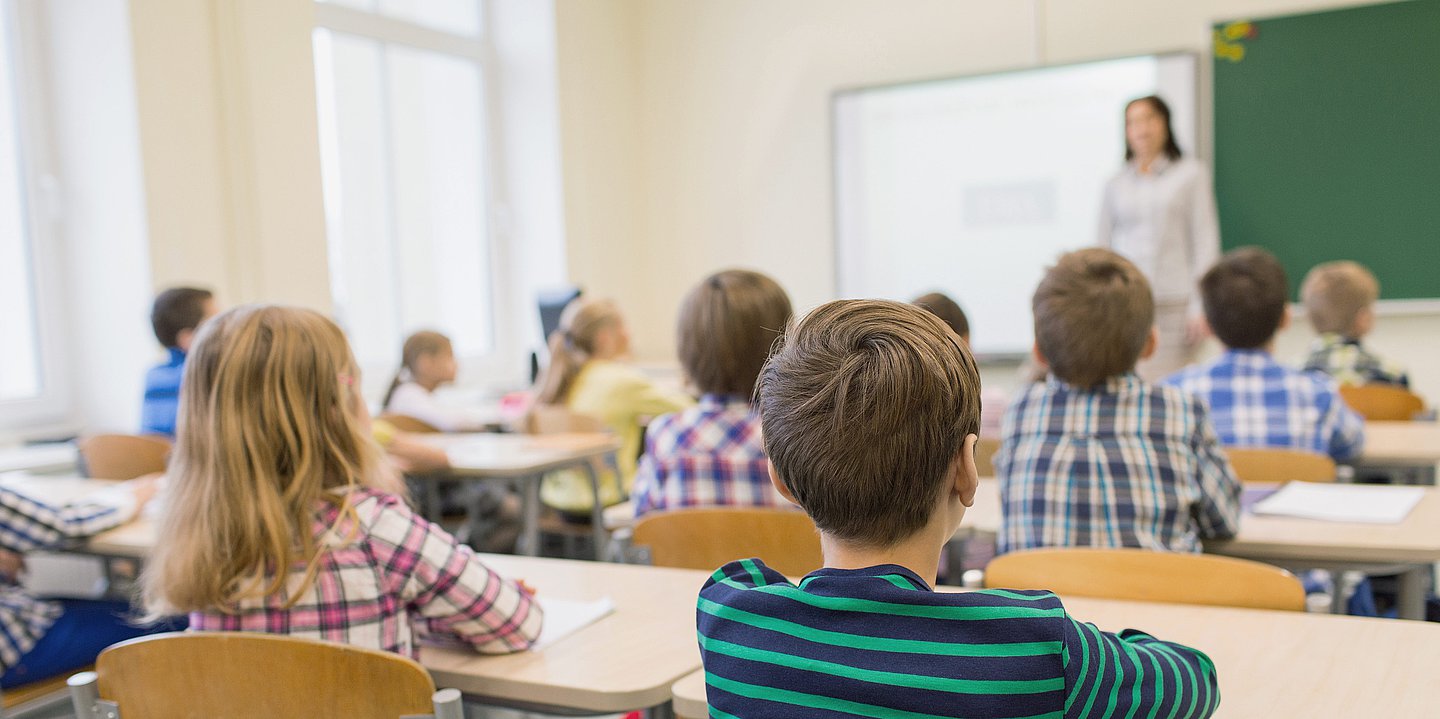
{"x": 281, "y": 516}
{"x": 587, "y": 375}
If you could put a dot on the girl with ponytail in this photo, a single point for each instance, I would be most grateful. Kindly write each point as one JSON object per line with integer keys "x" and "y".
{"x": 427, "y": 361}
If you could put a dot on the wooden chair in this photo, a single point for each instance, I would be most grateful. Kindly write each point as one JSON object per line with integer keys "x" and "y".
{"x": 1146, "y": 576}
{"x": 40, "y": 698}
{"x": 248, "y": 674}
{"x": 557, "y": 419}
{"x": 1382, "y": 402}
{"x": 123, "y": 456}
{"x": 1270, "y": 465}
{"x": 707, "y": 538}
{"x": 984, "y": 456}
{"x": 406, "y": 423}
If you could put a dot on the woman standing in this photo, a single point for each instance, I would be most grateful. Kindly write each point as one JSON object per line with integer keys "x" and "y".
{"x": 1159, "y": 212}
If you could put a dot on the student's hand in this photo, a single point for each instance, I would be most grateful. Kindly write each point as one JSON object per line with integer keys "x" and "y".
{"x": 144, "y": 488}
{"x": 11, "y": 565}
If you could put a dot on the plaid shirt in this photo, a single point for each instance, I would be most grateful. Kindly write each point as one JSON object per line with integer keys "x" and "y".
{"x": 28, "y": 524}
{"x": 385, "y": 581}
{"x": 1255, "y": 401}
{"x": 1349, "y": 363}
{"x": 1122, "y": 465}
{"x": 710, "y": 455}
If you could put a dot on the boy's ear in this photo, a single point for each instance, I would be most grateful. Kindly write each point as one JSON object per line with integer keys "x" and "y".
{"x": 184, "y": 338}
{"x": 779, "y": 485}
{"x": 1151, "y": 344}
{"x": 1284, "y": 319}
{"x": 967, "y": 477}
{"x": 1039, "y": 357}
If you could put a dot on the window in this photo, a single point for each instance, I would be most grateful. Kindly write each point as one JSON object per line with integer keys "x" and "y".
{"x": 401, "y": 88}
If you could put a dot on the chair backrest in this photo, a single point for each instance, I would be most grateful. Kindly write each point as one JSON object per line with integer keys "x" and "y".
{"x": 123, "y": 456}
{"x": 406, "y": 423}
{"x": 985, "y": 448}
{"x": 249, "y": 674}
{"x": 557, "y": 419}
{"x": 706, "y": 538}
{"x": 1269, "y": 465}
{"x": 1141, "y": 575}
{"x": 1382, "y": 402}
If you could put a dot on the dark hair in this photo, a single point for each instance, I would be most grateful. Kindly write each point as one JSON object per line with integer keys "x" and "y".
{"x": 1244, "y": 296}
{"x": 726, "y": 327}
{"x": 940, "y": 305}
{"x": 1093, "y": 313}
{"x": 417, "y": 345}
{"x": 1172, "y": 150}
{"x": 178, "y": 309}
{"x": 864, "y": 406}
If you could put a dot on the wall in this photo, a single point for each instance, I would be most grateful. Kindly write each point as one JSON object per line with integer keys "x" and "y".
{"x": 696, "y": 132}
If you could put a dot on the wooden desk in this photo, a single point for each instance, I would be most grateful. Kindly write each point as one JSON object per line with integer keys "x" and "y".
{"x": 1401, "y": 444}
{"x": 1271, "y": 664}
{"x": 1409, "y": 547}
{"x": 625, "y": 661}
{"x": 54, "y": 457}
{"x": 488, "y": 456}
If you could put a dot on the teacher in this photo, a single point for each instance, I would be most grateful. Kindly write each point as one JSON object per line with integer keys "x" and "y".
{"x": 1159, "y": 212}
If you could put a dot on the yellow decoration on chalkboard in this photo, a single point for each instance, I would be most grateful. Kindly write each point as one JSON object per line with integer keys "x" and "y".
{"x": 1227, "y": 40}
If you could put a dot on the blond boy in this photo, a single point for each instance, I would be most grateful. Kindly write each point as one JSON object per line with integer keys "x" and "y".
{"x": 1340, "y": 301}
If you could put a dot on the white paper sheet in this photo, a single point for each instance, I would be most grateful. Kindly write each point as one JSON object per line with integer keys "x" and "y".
{"x": 564, "y": 617}
{"x": 1362, "y": 503}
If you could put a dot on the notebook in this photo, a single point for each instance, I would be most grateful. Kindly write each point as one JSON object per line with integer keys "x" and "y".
{"x": 1362, "y": 503}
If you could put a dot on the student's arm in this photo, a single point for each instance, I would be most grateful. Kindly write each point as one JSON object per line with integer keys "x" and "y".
{"x": 27, "y": 523}
{"x": 1346, "y": 427}
{"x": 1218, "y": 511}
{"x": 645, "y": 398}
{"x": 648, "y": 494}
{"x": 444, "y": 583}
{"x": 1132, "y": 674}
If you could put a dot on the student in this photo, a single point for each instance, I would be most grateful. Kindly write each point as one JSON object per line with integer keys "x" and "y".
{"x": 1093, "y": 456}
{"x": 992, "y": 401}
{"x": 588, "y": 377}
{"x": 175, "y": 316}
{"x": 711, "y": 455}
{"x": 1340, "y": 300}
{"x": 870, "y": 410}
{"x": 1255, "y": 401}
{"x": 274, "y": 468}
{"x": 41, "y": 639}
{"x": 427, "y": 361}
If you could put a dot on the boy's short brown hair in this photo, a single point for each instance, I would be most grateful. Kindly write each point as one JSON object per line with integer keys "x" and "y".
{"x": 1244, "y": 296}
{"x": 1093, "y": 314}
{"x": 177, "y": 309}
{"x": 864, "y": 407}
{"x": 949, "y": 312}
{"x": 728, "y": 323}
{"x": 1335, "y": 293}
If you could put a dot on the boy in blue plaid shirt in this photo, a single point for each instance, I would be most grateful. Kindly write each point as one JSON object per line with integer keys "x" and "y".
{"x": 1093, "y": 456}
{"x": 1255, "y": 401}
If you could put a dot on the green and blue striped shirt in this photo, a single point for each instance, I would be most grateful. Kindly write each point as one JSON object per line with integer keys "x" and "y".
{"x": 878, "y": 642}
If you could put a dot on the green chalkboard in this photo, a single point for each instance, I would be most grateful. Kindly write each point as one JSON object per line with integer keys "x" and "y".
{"x": 1327, "y": 140}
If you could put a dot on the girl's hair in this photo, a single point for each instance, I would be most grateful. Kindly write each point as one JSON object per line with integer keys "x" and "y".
{"x": 1171, "y": 149}
{"x": 420, "y": 344}
{"x": 572, "y": 344}
{"x": 271, "y": 419}
{"x": 727, "y": 325}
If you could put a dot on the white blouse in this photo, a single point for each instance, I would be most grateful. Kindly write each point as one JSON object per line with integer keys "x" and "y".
{"x": 1166, "y": 223}
{"x": 415, "y": 401}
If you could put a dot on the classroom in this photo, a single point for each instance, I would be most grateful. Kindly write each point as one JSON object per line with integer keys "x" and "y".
{"x": 697, "y": 358}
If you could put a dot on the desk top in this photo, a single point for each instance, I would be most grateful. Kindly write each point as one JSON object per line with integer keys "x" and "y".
{"x": 515, "y": 455}
{"x": 625, "y": 661}
{"x": 1401, "y": 443}
{"x": 1415, "y": 540}
{"x": 1281, "y": 664}
{"x": 53, "y": 457}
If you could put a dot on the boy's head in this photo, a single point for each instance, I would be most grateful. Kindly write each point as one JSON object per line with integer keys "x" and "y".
{"x": 1094, "y": 317}
{"x": 178, "y": 312}
{"x": 940, "y": 305}
{"x": 727, "y": 326}
{"x": 1340, "y": 297}
{"x": 1245, "y": 296}
{"x": 866, "y": 406}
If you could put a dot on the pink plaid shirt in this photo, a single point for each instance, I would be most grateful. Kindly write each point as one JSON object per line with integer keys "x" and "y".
{"x": 399, "y": 577}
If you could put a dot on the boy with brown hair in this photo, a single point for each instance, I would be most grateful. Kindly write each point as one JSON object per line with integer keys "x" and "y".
{"x": 175, "y": 317}
{"x": 711, "y": 455}
{"x": 1093, "y": 456}
{"x": 1340, "y": 301}
{"x": 870, "y": 410}
{"x": 1255, "y": 401}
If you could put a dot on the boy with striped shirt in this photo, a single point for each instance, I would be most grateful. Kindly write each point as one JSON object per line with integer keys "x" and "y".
{"x": 869, "y": 411}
